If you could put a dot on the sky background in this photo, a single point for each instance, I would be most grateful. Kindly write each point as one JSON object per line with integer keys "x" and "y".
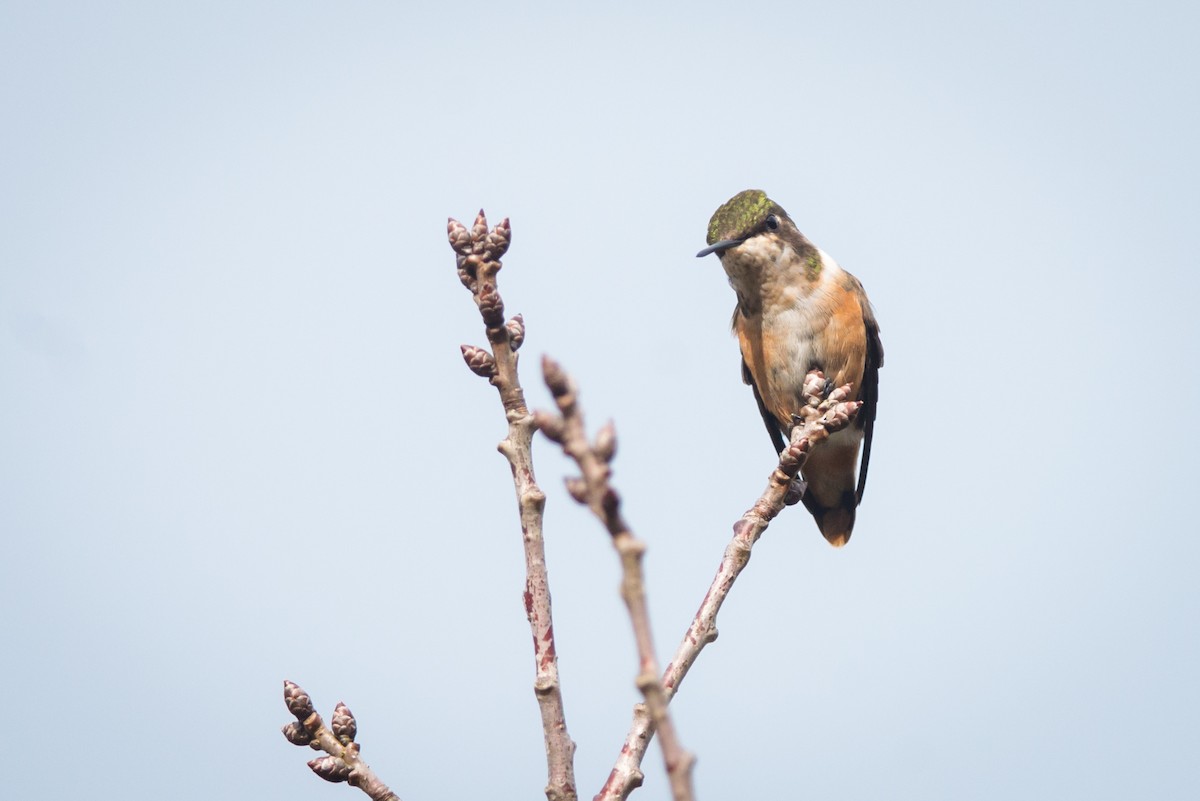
{"x": 238, "y": 443}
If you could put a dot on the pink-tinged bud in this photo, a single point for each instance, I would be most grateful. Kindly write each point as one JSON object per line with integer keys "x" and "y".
{"x": 491, "y": 307}
{"x": 331, "y": 769}
{"x": 555, "y": 377}
{"x": 296, "y": 734}
{"x": 840, "y": 415}
{"x": 576, "y": 488}
{"x": 479, "y": 361}
{"x": 606, "y": 442}
{"x": 344, "y": 726}
{"x": 549, "y": 424}
{"x": 497, "y": 242}
{"x": 814, "y": 387}
{"x": 298, "y": 702}
{"x": 460, "y": 238}
{"x": 793, "y": 456}
{"x": 516, "y": 332}
{"x": 468, "y": 270}
{"x": 480, "y": 228}
{"x": 840, "y": 394}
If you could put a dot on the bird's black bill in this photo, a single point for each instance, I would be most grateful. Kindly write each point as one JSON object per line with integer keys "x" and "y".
{"x": 717, "y": 247}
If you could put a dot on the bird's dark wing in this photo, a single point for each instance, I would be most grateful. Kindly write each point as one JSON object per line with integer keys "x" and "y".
{"x": 869, "y": 394}
{"x": 768, "y": 418}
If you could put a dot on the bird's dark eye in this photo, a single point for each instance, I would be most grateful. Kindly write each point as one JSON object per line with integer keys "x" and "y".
{"x": 772, "y": 222}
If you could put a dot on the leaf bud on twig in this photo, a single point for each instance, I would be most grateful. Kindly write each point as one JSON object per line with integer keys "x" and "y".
{"x": 491, "y": 306}
{"x": 555, "y": 377}
{"x": 344, "y": 726}
{"x": 331, "y": 769}
{"x": 576, "y": 488}
{"x": 814, "y": 387}
{"x": 606, "y": 442}
{"x": 516, "y": 332}
{"x": 497, "y": 242}
{"x": 479, "y": 361}
{"x": 793, "y": 456}
{"x": 479, "y": 229}
{"x": 296, "y": 734}
{"x": 840, "y": 415}
{"x": 468, "y": 271}
{"x": 840, "y": 394}
{"x": 460, "y": 238}
{"x": 549, "y": 424}
{"x": 298, "y": 702}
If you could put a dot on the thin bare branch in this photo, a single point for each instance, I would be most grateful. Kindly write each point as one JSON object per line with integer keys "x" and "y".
{"x": 594, "y": 490}
{"x": 820, "y": 417}
{"x": 478, "y": 253}
{"x": 343, "y": 763}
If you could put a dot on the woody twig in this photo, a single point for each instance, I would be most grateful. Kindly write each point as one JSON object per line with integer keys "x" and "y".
{"x": 342, "y": 762}
{"x": 592, "y": 489}
{"x": 479, "y": 251}
{"x": 820, "y": 417}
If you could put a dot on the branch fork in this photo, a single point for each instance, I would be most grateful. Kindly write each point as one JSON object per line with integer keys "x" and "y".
{"x": 592, "y": 489}
{"x": 342, "y": 762}
{"x": 478, "y": 257}
{"x": 824, "y": 413}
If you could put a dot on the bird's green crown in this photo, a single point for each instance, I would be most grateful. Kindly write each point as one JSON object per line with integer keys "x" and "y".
{"x": 741, "y": 215}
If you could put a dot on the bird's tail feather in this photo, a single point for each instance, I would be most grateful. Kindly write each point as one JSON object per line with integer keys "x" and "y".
{"x": 836, "y": 522}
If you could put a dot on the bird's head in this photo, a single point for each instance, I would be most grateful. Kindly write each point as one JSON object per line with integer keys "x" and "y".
{"x": 756, "y": 239}
{"x": 745, "y": 215}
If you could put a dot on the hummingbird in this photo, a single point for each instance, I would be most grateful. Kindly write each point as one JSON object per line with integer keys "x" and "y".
{"x": 797, "y": 311}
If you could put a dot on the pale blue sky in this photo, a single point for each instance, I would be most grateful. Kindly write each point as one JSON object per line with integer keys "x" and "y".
{"x": 238, "y": 444}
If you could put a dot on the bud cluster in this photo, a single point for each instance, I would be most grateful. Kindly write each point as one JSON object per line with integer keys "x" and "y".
{"x": 594, "y": 458}
{"x": 308, "y": 729}
{"x": 478, "y": 251}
